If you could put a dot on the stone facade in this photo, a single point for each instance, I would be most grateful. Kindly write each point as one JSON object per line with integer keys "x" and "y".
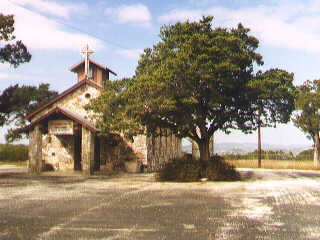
{"x": 35, "y": 150}
{"x": 75, "y": 101}
{"x": 58, "y": 151}
{"x": 87, "y": 153}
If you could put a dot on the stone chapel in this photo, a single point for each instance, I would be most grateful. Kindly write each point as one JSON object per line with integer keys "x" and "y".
{"x": 64, "y": 137}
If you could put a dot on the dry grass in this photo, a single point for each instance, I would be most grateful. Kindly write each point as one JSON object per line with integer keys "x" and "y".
{"x": 274, "y": 164}
{"x": 16, "y": 163}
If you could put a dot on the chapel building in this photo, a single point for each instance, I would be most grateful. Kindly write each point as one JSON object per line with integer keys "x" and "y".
{"x": 63, "y": 136}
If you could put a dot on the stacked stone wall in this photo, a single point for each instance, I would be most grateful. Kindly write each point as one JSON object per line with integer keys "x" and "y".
{"x": 130, "y": 154}
{"x": 58, "y": 151}
{"x": 74, "y": 102}
{"x": 161, "y": 149}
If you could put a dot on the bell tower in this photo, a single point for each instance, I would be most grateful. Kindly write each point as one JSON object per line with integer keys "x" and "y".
{"x": 88, "y": 69}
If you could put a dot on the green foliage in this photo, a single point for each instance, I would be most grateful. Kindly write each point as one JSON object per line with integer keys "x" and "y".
{"x": 186, "y": 169}
{"x": 18, "y": 101}
{"x": 274, "y": 97}
{"x": 111, "y": 105}
{"x": 307, "y": 117}
{"x": 13, "y": 53}
{"x": 13, "y": 153}
{"x": 195, "y": 78}
{"x": 305, "y": 155}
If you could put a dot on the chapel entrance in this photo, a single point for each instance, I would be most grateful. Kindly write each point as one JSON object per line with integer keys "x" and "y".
{"x": 77, "y": 147}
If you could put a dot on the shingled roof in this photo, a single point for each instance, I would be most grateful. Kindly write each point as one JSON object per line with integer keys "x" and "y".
{"x": 73, "y": 116}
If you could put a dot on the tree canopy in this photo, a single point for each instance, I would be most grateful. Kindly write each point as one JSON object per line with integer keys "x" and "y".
{"x": 195, "y": 78}
{"x": 307, "y": 118}
{"x": 16, "y": 102}
{"x": 275, "y": 97}
{"x": 12, "y": 53}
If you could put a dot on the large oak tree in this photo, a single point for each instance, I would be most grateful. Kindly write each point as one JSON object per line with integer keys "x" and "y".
{"x": 193, "y": 82}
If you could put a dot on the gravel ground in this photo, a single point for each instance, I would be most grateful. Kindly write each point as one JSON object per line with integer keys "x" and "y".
{"x": 267, "y": 204}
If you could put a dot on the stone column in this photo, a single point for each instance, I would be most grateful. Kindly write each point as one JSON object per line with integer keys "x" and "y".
{"x": 35, "y": 150}
{"x": 87, "y": 154}
{"x": 195, "y": 148}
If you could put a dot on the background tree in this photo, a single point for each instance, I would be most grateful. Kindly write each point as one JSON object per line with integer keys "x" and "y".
{"x": 16, "y": 102}
{"x": 275, "y": 96}
{"x": 307, "y": 117}
{"x": 13, "y": 53}
{"x": 195, "y": 78}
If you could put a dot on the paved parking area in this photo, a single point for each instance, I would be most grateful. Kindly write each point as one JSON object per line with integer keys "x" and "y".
{"x": 268, "y": 204}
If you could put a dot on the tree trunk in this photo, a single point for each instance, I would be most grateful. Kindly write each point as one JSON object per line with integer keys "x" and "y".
{"x": 259, "y": 144}
{"x": 316, "y": 150}
{"x": 204, "y": 150}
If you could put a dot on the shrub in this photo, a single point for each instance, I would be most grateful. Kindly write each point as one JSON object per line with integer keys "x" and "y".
{"x": 187, "y": 169}
{"x": 13, "y": 153}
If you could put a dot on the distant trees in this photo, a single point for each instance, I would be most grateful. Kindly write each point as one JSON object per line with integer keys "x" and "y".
{"x": 307, "y": 117}
{"x": 265, "y": 154}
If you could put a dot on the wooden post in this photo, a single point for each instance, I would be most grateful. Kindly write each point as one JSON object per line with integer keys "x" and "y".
{"x": 87, "y": 153}
{"x": 35, "y": 150}
{"x": 259, "y": 145}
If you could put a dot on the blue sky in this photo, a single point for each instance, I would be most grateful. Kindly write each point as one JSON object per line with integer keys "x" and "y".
{"x": 118, "y": 31}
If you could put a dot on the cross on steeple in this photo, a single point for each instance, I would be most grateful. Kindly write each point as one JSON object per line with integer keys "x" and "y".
{"x": 86, "y": 52}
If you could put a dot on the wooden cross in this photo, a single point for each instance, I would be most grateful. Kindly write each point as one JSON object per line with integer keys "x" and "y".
{"x": 86, "y": 52}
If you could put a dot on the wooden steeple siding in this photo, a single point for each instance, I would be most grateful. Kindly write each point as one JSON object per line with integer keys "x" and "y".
{"x": 99, "y": 73}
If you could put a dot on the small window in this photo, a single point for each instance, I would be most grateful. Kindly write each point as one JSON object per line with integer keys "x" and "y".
{"x": 87, "y": 95}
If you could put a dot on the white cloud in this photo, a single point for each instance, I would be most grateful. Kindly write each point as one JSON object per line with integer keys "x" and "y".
{"x": 131, "y": 54}
{"x": 53, "y": 8}
{"x": 181, "y": 15}
{"x": 9, "y": 76}
{"x": 290, "y": 25}
{"x": 136, "y": 14}
{"x": 39, "y": 32}
{"x": 4, "y": 66}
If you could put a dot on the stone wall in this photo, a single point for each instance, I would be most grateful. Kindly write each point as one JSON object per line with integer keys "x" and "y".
{"x": 130, "y": 154}
{"x": 161, "y": 149}
{"x": 58, "y": 151}
{"x": 35, "y": 150}
{"x": 87, "y": 153}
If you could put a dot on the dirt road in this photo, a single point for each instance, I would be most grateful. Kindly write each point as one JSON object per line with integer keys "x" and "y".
{"x": 266, "y": 205}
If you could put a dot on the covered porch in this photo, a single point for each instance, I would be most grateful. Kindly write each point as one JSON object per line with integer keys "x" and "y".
{"x": 63, "y": 140}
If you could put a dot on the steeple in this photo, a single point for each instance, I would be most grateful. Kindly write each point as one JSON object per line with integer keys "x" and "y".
{"x": 89, "y": 69}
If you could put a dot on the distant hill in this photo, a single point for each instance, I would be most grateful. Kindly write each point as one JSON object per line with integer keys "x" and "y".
{"x": 249, "y": 147}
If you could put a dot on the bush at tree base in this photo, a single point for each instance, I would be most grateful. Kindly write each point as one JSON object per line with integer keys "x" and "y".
{"x": 187, "y": 169}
